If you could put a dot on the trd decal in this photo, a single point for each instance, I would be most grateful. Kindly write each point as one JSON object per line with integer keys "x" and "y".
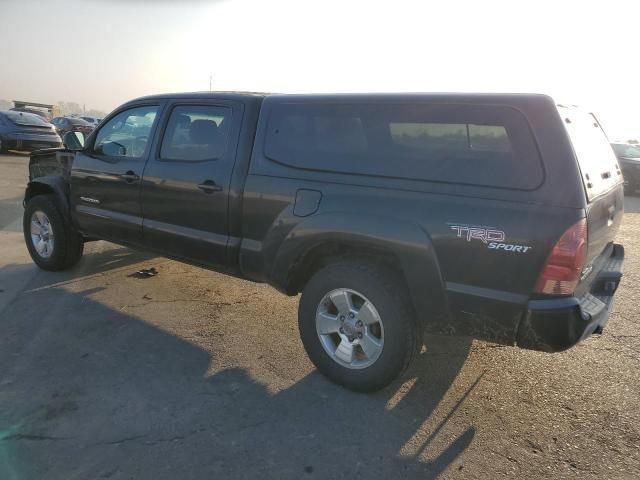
{"x": 493, "y": 238}
{"x": 485, "y": 235}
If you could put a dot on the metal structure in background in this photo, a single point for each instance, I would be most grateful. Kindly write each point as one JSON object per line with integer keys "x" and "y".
{"x": 20, "y": 105}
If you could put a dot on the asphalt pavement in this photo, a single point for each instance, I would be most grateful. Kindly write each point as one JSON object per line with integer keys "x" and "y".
{"x": 190, "y": 374}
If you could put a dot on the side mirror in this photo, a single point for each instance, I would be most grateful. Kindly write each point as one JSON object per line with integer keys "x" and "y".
{"x": 73, "y": 140}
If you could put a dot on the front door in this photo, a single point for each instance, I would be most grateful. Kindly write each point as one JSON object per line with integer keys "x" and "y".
{"x": 185, "y": 189}
{"x": 106, "y": 175}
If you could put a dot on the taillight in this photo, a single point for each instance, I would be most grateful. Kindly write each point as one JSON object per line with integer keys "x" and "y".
{"x": 561, "y": 272}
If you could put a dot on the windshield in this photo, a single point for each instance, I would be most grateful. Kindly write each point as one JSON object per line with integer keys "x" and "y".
{"x": 598, "y": 164}
{"x": 625, "y": 150}
{"x": 22, "y": 118}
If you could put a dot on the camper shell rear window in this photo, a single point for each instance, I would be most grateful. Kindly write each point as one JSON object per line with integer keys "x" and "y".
{"x": 597, "y": 160}
{"x": 483, "y": 145}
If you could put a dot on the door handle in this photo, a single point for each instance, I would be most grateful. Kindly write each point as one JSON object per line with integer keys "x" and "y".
{"x": 209, "y": 186}
{"x": 129, "y": 177}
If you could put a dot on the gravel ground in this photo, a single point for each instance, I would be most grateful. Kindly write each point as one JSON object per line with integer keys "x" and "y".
{"x": 190, "y": 374}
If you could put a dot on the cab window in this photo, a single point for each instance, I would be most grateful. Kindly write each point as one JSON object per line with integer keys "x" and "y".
{"x": 126, "y": 134}
{"x": 196, "y": 133}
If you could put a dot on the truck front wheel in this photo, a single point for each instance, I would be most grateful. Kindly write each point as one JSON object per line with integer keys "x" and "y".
{"x": 53, "y": 243}
{"x": 357, "y": 324}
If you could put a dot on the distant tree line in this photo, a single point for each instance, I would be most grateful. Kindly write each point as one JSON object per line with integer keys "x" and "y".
{"x": 74, "y": 108}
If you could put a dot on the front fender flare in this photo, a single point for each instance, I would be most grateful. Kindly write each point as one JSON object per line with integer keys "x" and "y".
{"x": 51, "y": 183}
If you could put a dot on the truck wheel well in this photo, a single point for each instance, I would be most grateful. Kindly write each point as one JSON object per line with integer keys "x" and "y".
{"x": 325, "y": 253}
{"x": 38, "y": 189}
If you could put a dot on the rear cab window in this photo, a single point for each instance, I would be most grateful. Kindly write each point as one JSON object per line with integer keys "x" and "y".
{"x": 484, "y": 145}
{"x": 597, "y": 160}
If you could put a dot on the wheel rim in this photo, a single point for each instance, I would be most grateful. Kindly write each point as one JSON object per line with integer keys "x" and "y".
{"x": 349, "y": 328}
{"x": 42, "y": 234}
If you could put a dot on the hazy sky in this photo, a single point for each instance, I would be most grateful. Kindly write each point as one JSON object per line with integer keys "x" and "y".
{"x": 104, "y": 52}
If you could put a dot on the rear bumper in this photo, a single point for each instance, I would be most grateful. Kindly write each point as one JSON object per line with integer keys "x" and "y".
{"x": 557, "y": 324}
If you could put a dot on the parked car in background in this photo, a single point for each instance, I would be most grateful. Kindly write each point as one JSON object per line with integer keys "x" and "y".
{"x": 71, "y": 124}
{"x": 629, "y": 160}
{"x": 26, "y": 131}
{"x": 41, "y": 113}
{"x": 92, "y": 120}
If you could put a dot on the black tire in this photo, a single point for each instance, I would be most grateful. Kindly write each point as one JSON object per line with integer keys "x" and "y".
{"x": 3, "y": 146}
{"x": 385, "y": 289}
{"x": 68, "y": 243}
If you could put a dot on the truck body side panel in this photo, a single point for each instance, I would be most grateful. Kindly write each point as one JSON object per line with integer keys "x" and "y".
{"x": 486, "y": 246}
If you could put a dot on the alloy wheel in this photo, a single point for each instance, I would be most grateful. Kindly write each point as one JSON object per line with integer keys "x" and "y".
{"x": 350, "y": 328}
{"x": 42, "y": 236}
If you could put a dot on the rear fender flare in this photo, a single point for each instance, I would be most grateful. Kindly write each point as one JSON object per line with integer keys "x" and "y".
{"x": 407, "y": 241}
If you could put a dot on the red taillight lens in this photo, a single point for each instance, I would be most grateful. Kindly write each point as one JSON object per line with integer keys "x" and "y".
{"x": 562, "y": 271}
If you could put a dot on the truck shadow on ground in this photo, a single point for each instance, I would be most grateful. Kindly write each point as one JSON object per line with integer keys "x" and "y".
{"x": 89, "y": 392}
{"x": 93, "y": 262}
{"x": 10, "y": 210}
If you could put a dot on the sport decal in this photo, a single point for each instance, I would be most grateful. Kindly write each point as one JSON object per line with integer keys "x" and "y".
{"x": 493, "y": 238}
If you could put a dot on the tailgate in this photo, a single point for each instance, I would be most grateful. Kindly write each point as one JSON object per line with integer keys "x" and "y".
{"x": 603, "y": 185}
{"x": 604, "y": 215}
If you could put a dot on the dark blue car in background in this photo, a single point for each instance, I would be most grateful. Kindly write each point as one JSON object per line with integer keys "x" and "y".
{"x": 26, "y": 131}
{"x": 629, "y": 160}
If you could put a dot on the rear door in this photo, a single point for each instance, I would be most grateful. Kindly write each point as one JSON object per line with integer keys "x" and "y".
{"x": 106, "y": 175}
{"x": 185, "y": 191}
{"x": 602, "y": 181}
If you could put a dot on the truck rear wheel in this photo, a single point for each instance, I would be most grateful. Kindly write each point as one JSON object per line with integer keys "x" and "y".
{"x": 52, "y": 242}
{"x": 357, "y": 325}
